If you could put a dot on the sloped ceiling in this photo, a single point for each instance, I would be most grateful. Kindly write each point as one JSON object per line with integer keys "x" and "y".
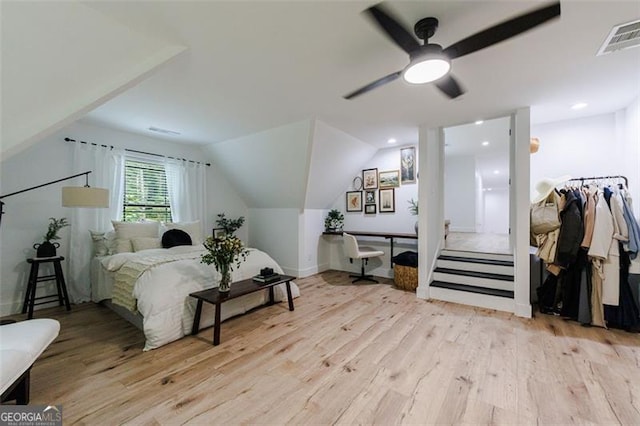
{"x": 62, "y": 59}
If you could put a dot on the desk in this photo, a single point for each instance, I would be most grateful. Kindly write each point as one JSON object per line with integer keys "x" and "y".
{"x": 386, "y": 235}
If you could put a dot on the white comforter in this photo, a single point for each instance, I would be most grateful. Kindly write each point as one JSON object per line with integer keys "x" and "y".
{"x": 162, "y": 291}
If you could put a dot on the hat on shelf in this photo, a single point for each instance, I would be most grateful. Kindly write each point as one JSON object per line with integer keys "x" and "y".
{"x": 546, "y": 186}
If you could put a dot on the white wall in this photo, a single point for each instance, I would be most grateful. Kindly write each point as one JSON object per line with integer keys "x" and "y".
{"x": 27, "y": 214}
{"x": 276, "y": 232}
{"x": 496, "y": 211}
{"x": 313, "y": 256}
{"x": 460, "y": 192}
{"x": 480, "y": 212}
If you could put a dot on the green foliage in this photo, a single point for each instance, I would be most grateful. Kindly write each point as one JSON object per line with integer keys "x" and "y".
{"x": 229, "y": 225}
{"x": 413, "y": 207}
{"x": 223, "y": 252}
{"x": 54, "y": 226}
{"x": 334, "y": 220}
{"x": 145, "y": 192}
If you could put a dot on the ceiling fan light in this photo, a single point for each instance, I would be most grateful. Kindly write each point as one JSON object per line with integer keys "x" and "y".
{"x": 426, "y": 68}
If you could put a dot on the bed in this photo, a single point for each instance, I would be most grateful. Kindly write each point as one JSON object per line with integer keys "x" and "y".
{"x": 151, "y": 288}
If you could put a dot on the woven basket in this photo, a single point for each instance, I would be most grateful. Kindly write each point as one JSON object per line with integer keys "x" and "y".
{"x": 405, "y": 277}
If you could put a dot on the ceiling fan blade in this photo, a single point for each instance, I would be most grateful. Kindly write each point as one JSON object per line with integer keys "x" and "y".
{"x": 449, "y": 86}
{"x": 379, "y": 82}
{"x": 503, "y": 31}
{"x": 393, "y": 29}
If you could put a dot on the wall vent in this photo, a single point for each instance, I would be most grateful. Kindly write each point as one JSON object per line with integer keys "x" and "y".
{"x": 165, "y": 131}
{"x": 623, "y": 36}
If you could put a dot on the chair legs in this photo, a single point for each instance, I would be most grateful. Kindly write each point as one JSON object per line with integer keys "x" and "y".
{"x": 362, "y": 276}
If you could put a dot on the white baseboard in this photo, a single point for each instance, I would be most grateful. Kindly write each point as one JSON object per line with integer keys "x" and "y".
{"x": 461, "y": 229}
{"x": 10, "y": 308}
{"x": 313, "y": 270}
{"x": 523, "y": 310}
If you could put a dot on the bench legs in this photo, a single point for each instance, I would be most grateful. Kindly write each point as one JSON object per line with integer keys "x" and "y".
{"x": 19, "y": 390}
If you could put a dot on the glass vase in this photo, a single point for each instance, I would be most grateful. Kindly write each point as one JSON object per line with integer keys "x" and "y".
{"x": 225, "y": 280}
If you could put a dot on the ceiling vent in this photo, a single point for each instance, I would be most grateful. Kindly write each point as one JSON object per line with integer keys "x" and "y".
{"x": 165, "y": 131}
{"x": 623, "y": 36}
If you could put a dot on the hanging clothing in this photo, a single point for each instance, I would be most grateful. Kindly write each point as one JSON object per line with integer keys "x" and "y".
{"x": 571, "y": 230}
{"x": 589, "y": 217}
{"x": 633, "y": 244}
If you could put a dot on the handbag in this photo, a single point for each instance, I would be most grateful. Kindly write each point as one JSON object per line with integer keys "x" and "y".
{"x": 545, "y": 216}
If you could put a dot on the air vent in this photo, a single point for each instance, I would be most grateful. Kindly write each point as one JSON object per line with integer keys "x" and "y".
{"x": 621, "y": 37}
{"x": 165, "y": 131}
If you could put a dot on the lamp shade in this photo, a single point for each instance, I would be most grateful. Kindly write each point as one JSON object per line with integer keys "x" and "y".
{"x": 85, "y": 196}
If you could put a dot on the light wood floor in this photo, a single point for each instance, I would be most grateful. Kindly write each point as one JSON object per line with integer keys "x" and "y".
{"x": 478, "y": 242}
{"x": 366, "y": 353}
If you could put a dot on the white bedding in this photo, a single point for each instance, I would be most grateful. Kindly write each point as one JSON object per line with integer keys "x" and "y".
{"x": 162, "y": 291}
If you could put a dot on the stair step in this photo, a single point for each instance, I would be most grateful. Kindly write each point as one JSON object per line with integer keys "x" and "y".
{"x": 473, "y": 289}
{"x": 476, "y": 260}
{"x": 476, "y": 255}
{"x": 472, "y": 266}
{"x": 476, "y": 274}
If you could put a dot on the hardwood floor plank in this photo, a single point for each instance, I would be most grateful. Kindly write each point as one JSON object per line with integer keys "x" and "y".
{"x": 348, "y": 354}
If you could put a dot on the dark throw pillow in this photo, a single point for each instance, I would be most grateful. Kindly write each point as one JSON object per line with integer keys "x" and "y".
{"x": 175, "y": 237}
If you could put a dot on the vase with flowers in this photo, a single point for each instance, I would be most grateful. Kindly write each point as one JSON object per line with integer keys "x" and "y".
{"x": 48, "y": 247}
{"x": 224, "y": 253}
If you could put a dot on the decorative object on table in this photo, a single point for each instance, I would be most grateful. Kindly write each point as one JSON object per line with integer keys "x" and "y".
{"x": 354, "y": 201}
{"x": 229, "y": 225}
{"x": 334, "y": 221}
{"x": 370, "y": 197}
{"x": 267, "y": 275}
{"x": 369, "y": 209}
{"x": 224, "y": 253}
{"x": 370, "y": 179}
{"x": 387, "y": 200}
{"x": 413, "y": 209}
{"x": 408, "y": 165}
{"x": 357, "y": 183}
{"x": 47, "y": 248}
{"x": 218, "y": 232}
{"x": 389, "y": 179}
{"x": 72, "y": 196}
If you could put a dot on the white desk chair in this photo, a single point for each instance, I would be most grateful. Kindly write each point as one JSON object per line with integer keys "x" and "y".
{"x": 353, "y": 251}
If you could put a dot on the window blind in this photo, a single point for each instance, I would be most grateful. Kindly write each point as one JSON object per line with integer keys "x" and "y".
{"x": 145, "y": 192}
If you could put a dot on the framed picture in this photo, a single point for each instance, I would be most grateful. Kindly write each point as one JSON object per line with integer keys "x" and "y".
{"x": 354, "y": 201}
{"x": 357, "y": 183}
{"x": 369, "y": 197}
{"x": 387, "y": 200}
{"x": 369, "y": 209}
{"x": 370, "y": 179}
{"x": 389, "y": 179}
{"x": 408, "y": 165}
{"x": 218, "y": 232}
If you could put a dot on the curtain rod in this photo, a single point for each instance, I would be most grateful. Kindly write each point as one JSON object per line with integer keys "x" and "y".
{"x": 136, "y": 151}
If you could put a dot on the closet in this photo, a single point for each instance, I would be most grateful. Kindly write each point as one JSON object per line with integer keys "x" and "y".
{"x": 589, "y": 255}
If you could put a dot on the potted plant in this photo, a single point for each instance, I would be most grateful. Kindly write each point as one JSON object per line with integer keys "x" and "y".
{"x": 413, "y": 209}
{"x": 47, "y": 248}
{"x": 224, "y": 252}
{"x": 334, "y": 221}
{"x": 229, "y": 225}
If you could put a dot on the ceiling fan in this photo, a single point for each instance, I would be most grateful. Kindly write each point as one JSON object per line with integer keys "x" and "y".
{"x": 429, "y": 62}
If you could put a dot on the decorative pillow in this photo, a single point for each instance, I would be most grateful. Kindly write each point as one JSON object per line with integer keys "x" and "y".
{"x": 125, "y": 231}
{"x": 110, "y": 240}
{"x": 194, "y": 229}
{"x": 175, "y": 237}
{"x": 145, "y": 243}
{"x": 99, "y": 243}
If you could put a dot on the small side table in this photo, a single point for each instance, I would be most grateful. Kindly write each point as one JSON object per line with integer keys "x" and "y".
{"x": 30, "y": 296}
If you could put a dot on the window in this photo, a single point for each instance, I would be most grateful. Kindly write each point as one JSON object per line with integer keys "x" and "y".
{"x": 145, "y": 192}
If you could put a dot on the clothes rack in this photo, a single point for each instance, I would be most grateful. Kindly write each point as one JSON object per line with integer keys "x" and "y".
{"x": 583, "y": 179}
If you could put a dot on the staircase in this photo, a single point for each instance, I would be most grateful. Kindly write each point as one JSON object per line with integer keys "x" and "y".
{"x": 477, "y": 279}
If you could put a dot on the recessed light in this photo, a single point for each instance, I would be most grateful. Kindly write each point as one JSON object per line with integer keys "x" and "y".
{"x": 391, "y": 140}
{"x": 579, "y": 105}
{"x": 485, "y": 143}
{"x": 488, "y": 189}
{"x": 479, "y": 122}
{"x": 496, "y": 172}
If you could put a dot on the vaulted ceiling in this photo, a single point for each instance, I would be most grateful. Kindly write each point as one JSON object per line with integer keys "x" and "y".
{"x": 256, "y": 65}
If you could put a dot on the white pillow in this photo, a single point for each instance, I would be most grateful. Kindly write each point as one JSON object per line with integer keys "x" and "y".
{"x": 99, "y": 243}
{"x": 125, "y": 231}
{"x": 115, "y": 262}
{"x": 194, "y": 229}
{"x": 145, "y": 243}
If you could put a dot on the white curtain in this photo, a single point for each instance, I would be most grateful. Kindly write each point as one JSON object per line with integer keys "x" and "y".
{"x": 186, "y": 184}
{"x": 107, "y": 171}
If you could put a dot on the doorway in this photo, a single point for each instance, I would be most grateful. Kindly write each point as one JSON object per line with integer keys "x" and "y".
{"x": 476, "y": 186}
